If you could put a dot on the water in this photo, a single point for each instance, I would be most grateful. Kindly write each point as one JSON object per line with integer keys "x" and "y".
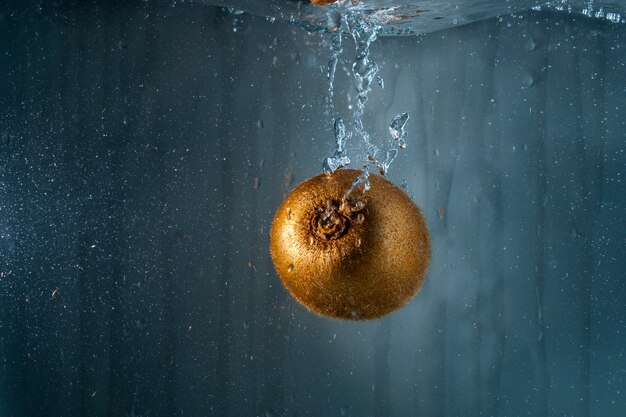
{"x": 364, "y": 32}
{"x": 339, "y": 159}
{"x": 135, "y": 275}
{"x": 412, "y": 17}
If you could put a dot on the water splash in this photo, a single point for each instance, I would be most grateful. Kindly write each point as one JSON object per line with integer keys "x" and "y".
{"x": 351, "y": 198}
{"x": 364, "y": 31}
{"x": 332, "y": 68}
{"x": 397, "y": 131}
{"x": 340, "y": 158}
{"x": 383, "y": 167}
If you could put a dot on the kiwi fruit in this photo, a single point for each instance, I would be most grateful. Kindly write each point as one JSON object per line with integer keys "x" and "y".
{"x": 322, "y": 2}
{"x": 354, "y": 258}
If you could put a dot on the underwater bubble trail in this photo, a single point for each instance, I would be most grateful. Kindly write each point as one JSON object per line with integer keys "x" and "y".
{"x": 332, "y": 68}
{"x": 340, "y": 158}
{"x": 363, "y": 181}
{"x": 364, "y": 71}
{"x": 364, "y": 32}
{"x": 384, "y": 166}
{"x": 397, "y": 131}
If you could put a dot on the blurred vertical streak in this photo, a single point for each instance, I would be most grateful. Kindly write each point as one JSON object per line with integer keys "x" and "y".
{"x": 594, "y": 63}
{"x": 591, "y": 70}
{"x": 543, "y": 381}
{"x": 609, "y": 289}
{"x": 583, "y": 221}
{"x": 224, "y": 152}
{"x": 490, "y": 333}
{"x": 169, "y": 233}
{"x": 135, "y": 47}
{"x": 13, "y": 310}
{"x": 381, "y": 387}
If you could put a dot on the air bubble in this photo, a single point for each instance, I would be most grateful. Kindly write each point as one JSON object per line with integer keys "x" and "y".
{"x": 396, "y": 129}
{"x": 340, "y": 158}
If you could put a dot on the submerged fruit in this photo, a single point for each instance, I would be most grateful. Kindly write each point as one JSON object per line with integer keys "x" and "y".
{"x": 356, "y": 259}
{"x": 322, "y": 2}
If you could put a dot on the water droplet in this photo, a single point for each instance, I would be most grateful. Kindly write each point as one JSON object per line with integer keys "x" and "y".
{"x": 613, "y": 17}
{"x": 364, "y": 31}
{"x": 260, "y": 124}
{"x": 360, "y": 218}
{"x": 529, "y": 80}
{"x": 235, "y": 11}
{"x": 361, "y": 182}
{"x": 358, "y": 243}
{"x": 384, "y": 166}
{"x": 256, "y": 183}
{"x": 311, "y": 240}
{"x": 397, "y": 131}
{"x": 288, "y": 214}
{"x": 332, "y": 67}
{"x": 290, "y": 268}
{"x": 340, "y": 158}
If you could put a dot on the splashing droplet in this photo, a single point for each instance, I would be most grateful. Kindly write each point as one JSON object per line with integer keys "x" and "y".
{"x": 384, "y": 166}
{"x": 340, "y": 158}
{"x": 397, "y": 131}
{"x": 332, "y": 68}
{"x": 360, "y": 185}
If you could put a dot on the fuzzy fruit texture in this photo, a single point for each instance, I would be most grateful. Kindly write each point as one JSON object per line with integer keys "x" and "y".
{"x": 354, "y": 261}
{"x": 322, "y": 2}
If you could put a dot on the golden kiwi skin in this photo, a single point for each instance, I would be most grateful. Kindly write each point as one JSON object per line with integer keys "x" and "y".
{"x": 365, "y": 265}
{"x": 322, "y": 2}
